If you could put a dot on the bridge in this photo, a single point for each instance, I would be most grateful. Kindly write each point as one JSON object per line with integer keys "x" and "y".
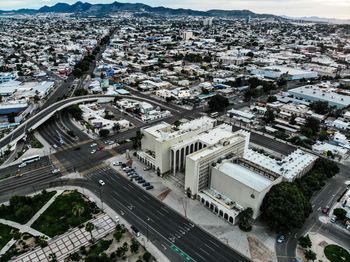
{"x": 39, "y": 118}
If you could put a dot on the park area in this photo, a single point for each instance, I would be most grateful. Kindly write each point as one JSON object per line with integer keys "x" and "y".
{"x": 22, "y": 208}
{"x": 336, "y": 253}
{"x": 70, "y": 209}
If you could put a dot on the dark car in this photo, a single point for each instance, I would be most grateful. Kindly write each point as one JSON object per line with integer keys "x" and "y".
{"x": 146, "y": 184}
{"x": 149, "y": 187}
{"x": 139, "y": 178}
{"x": 325, "y": 210}
{"x": 134, "y": 176}
{"x": 141, "y": 181}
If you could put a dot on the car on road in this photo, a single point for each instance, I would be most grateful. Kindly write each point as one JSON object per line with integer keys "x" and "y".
{"x": 54, "y": 146}
{"x": 101, "y": 182}
{"x": 93, "y": 145}
{"x": 146, "y": 184}
{"x": 55, "y": 171}
{"x": 280, "y": 239}
{"x": 22, "y": 165}
{"x": 93, "y": 151}
{"x": 61, "y": 141}
{"x": 325, "y": 210}
{"x": 333, "y": 219}
{"x": 149, "y": 187}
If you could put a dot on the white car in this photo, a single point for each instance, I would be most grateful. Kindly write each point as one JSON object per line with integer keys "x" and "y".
{"x": 117, "y": 219}
{"x": 55, "y": 171}
{"x": 93, "y": 151}
{"x": 54, "y": 146}
{"x": 22, "y": 165}
{"x": 333, "y": 219}
{"x": 93, "y": 145}
{"x": 101, "y": 182}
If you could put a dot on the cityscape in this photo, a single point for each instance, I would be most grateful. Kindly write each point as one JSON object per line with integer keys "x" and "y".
{"x": 136, "y": 132}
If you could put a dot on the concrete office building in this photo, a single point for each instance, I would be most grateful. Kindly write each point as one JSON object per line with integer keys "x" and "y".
{"x": 220, "y": 143}
{"x": 237, "y": 185}
{"x": 161, "y": 144}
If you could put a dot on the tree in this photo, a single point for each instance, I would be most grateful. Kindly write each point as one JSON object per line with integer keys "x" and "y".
{"x": 78, "y": 210}
{"x": 116, "y": 127}
{"x": 313, "y": 124}
{"x": 23, "y": 211}
{"x": 310, "y": 255}
{"x": 11, "y": 117}
{"x": 75, "y": 111}
{"x": 80, "y": 92}
{"x": 271, "y": 99}
{"x": 340, "y": 213}
{"x": 285, "y": 207}
{"x": 89, "y": 227}
{"x": 269, "y": 116}
{"x": 77, "y": 72}
{"x": 320, "y": 107}
{"x": 103, "y": 132}
{"x": 134, "y": 247}
{"x": 147, "y": 256}
{"x": 305, "y": 242}
{"x": 218, "y": 102}
{"x": 244, "y": 219}
{"x": 118, "y": 235}
{"x": 52, "y": 257}
{"x": 170, "y": 98}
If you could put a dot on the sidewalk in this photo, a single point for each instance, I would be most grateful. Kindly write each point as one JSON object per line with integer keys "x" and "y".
{"x": 27, "y": 227}
{"x": 44, "y": 207}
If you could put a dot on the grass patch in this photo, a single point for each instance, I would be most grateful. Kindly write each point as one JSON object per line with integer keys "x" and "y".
{"x": 33, "y": 142}
{"x": 336, "y": 253}
{"x": 22, "y": 208}
{"x": 6, "y": 234}
{"x": 68, "y": 210}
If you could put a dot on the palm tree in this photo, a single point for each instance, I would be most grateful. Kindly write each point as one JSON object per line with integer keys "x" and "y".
{"x": 78, "y": 210}
{"x": 89, "y": 227}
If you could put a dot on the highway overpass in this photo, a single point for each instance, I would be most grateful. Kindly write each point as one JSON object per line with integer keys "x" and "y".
{"x": 39, "y": 118}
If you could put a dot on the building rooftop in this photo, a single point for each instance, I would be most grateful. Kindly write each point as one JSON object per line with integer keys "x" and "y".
{"x": 289, "y": 167}
{"x": 245, "y": 176}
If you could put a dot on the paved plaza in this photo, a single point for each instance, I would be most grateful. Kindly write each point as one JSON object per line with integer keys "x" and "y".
{"x": 69, "y": 242}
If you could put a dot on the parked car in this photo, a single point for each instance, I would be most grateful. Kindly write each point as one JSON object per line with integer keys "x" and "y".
{"x": 22, "y": 164}
{"x": 280, "y": 239}
{"x": 93, "y": 145}
{"x": 141, "y": 181}
{"x": 139, "y": 178}
{"x": 146, "y": 184}
{"x": 55, "y": 171}
{"x": 117, "y": 219}
{"x": 101, "y": 182}
{"x": 333, "y": 219}
{"x": 93, "y": 151}
{"x": 54, "y": 146}
{"x": 149, "y": 187}
{"x": 146, "y": 168}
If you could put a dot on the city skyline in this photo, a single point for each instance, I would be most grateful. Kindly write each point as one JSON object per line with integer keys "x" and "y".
{"x": 298, "y": 8}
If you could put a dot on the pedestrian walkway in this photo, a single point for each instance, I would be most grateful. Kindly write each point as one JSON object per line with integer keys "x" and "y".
{"x": 26, "y": 228}
{"x": 70, "y": 242}
{"x": 44, "y": 207}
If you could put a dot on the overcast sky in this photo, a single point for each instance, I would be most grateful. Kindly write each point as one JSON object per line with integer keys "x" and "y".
{"x": 322, "y": 8}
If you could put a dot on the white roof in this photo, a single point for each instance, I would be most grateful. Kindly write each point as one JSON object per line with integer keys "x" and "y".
{"x": 289, "y": 167}
{"x": 245, "y": 176}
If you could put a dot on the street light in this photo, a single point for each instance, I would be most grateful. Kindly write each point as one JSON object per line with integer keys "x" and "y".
{"x": 148, "y": 219}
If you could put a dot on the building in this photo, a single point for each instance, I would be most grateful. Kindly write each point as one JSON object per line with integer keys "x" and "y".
{"x": 208, "y": 22}
{"x": 157, "y": 146}
{"x": 312, "y": 93}
{"x": 220, "y": 143}
{"x": 295, "y": 165}
{"x": 275, "y": 72}
{"x": 187, "y": 35}
{"x": 8, "y": 76}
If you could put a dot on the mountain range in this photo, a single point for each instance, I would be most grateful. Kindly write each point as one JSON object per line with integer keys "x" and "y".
{"x": 81, "y": 8}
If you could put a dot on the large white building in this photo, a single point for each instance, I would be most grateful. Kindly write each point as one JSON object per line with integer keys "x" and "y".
{"x": 161, "y": 144}
{"x": 274, "y": 72}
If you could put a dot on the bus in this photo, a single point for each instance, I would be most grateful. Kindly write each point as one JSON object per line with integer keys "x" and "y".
{"x": 31, "y": 159}
{"x": 214, "y": 114}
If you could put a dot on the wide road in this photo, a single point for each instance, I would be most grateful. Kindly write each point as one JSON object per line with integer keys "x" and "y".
{"x": 164, "y": 227}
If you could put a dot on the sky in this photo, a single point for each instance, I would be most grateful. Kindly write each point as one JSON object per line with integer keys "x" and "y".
{"x": 323, "y": 8}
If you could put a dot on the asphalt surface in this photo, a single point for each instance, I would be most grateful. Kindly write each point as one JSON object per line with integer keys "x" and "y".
{"x": 165, "y": 226}
{"x": 326, "y": 197}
